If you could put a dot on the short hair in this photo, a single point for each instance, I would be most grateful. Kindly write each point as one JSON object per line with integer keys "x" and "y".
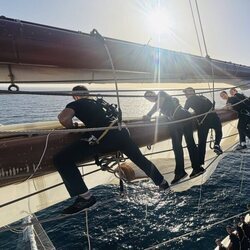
{"x": 189, "y": 90}
{"x": 223, "y": 92}
{"x": 81, "y": 88}
{"x": 233, "y": 88}
{"x": 176, "y": 100}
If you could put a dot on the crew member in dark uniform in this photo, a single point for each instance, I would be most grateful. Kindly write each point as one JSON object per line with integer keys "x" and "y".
{"x": 243, "y": 110}
{"x": 220, "y": 245}
{"x": 201, "y": 105}
{"x": 93, "y": 115}
{"x": 234, "y": 239}
{"x": 173, "y": 111}
{"x": 233, "y": 92}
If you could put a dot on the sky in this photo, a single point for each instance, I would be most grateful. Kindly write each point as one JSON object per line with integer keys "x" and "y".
{"x": 225, "y": 22}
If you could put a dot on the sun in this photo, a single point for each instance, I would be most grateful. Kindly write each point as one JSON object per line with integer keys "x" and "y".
{"x": 158, "y": 20}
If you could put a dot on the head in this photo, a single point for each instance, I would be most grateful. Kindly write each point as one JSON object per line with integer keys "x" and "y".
{"x": 233, "y": 91}
{"x": 150, "y": 96}
{"x": 80, "y": 92}
{"x": 218, "y": 242}
{"x": 242, "y": 219}
{"x": 229, "y": 229}
{"x": 189, "y": 92}
{"x": 176, "y": 101}
{"x": 224, "y": 95}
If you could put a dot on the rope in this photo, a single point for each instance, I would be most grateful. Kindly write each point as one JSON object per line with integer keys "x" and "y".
{"x": 200, "y": 194}
{"x": 196, "y": 231}
{"x": 196, "y": 31}
{"x": 70, "y": 93}
{"x": 242, "y": 172}
{"x": 87, "y": 230}
{"x": 41, "y": 158}
{"x": 97, "y": 35}
{"x": 204, "y": 41}
{"x": 142, "y": 124}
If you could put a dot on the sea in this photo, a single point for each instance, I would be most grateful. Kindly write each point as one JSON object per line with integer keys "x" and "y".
{"x": 145, "y": 217}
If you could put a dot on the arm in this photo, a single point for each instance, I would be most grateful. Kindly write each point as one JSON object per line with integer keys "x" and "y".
{"x": 160, "y": 101}
{"x": 66, "y": 116}
{"x": 187, "y": 105}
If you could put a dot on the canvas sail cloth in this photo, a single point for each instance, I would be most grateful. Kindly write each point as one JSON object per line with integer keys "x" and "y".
{"x": 32, "y": 53}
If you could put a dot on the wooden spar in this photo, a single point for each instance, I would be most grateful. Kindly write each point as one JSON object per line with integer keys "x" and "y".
{"x": 20, "y": 155}
{"x": 31, "y": 46}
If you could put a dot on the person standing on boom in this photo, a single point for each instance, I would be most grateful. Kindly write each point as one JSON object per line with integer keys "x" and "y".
{"x": 243, "y": 111}
{"x": 202, "y": 105}
{"x": 92, "y": 113}
{"x": 172, "y": 110}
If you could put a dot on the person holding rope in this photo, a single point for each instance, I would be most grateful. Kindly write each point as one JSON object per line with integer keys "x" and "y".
{"x": 171, "y": 108}
{"x": 202, "y": 105}
{"x": 93, "y": 114}
{"x": 243, "y": 110}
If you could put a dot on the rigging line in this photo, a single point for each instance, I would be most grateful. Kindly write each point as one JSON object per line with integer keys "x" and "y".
{"x": 70, "y": 93}
{"x": 242, "y": 172}
{"x": 87, "y": 229}
{"x": 197, "y": 230}
{"x": 195, "y": 26}
{"x": 139, "y": 124}
{"x": 204, "y": 41}
{"x": 200, "y": 194}
{"x": 38, "y": 237}
{"x": 40, "y": 161}
{"x": 121, "y": 90}
{"x": 116, "y": 84}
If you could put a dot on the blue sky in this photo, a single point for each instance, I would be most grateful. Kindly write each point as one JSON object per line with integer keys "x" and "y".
{"x": 225, "y": 22}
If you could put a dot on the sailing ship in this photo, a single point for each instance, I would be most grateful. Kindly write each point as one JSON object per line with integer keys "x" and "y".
{"x": 35, "y": 53}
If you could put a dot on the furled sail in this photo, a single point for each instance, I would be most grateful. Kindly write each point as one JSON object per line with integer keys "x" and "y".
{"x": 33, "y": 53}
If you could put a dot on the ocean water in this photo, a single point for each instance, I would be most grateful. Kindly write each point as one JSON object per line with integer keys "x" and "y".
{"x": 144, "y": 217}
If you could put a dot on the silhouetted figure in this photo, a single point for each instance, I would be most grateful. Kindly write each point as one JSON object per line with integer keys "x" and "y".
{"x": 202, "y": 105}
{"x": 234, "y": 239}
{"x": 173, "y": 111}
{"x": 94, "y": 114}
{"x": 243, "y": 114}
{"x": 220, "y": 245}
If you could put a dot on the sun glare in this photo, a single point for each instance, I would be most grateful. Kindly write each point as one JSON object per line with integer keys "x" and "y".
{"x": 159, "y": 22}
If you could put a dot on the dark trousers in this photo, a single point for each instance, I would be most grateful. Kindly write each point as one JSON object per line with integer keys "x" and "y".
{"x": 211, "y": 121}
{"x": 65, "y": 161}
{"x": 177, "y": 131}
{"x": 244, "y": 120}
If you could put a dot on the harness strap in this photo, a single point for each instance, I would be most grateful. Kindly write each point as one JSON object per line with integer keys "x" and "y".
{"x": 205, "y": 116}
{"x": 105, "y": 131}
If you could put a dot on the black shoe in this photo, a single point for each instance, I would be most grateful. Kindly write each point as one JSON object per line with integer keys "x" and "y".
{"x": 197, "y": 172}
{"x": 240, "y": 147}
{"x": 79, "y": 205}
{"x": 217, "y": 149}
{"x": 178, "y": 178}
{"x": 164, "y": 187}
